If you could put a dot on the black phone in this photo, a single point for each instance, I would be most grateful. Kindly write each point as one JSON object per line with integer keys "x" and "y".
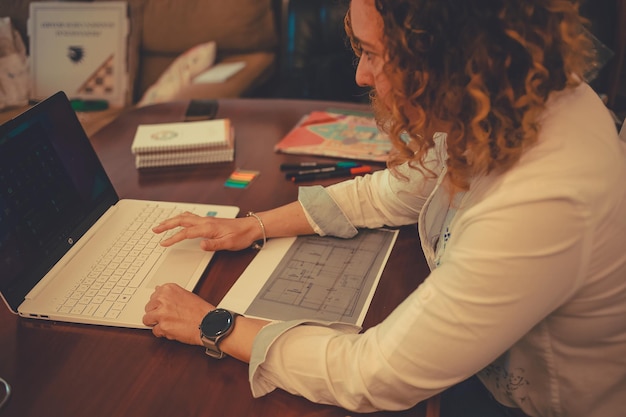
{"x": 201, "y": 109}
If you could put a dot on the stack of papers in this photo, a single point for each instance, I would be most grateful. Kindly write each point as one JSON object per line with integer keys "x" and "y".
{"x": 183, "y": 143}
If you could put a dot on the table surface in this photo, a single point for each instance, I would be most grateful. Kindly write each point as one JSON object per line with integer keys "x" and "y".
{"x": 61, "y": 369}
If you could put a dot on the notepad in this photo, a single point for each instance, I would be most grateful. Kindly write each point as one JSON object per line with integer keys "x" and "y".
{"x": 181, "y": 136}
{"x": 240, "y": 178}
{"x": 183, "y": 143}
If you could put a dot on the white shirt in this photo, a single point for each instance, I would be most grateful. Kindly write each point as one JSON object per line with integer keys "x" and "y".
{"x": 529, "y": 291}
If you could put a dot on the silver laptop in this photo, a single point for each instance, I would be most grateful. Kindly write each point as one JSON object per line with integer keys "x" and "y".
{"x": 70, "y": 249}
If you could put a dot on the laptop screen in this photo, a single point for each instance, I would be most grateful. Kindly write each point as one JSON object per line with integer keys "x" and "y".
{"x": 52, "y": 189}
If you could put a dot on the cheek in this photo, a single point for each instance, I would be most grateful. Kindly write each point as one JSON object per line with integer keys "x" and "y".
{"x": 382, "y": 87}
{"x": 382, "y": 84}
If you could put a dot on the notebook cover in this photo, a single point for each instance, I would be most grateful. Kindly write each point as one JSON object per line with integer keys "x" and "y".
{"x": 332, "y": 134}
{"x": 180, "y": 136}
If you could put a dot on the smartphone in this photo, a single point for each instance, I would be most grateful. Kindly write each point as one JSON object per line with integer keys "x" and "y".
{"x": 201, "y": 109}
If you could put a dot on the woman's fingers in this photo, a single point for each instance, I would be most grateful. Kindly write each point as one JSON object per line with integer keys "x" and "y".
{"x": 185, "y": 219}
{"x": 217, "y": 233}
{"x": 190, "y": 224}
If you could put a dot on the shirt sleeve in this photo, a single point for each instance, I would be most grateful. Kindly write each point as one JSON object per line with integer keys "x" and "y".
{"x": 488, "y": 293}
{"x": 384, "y": 198}
{"x": 323, "y": 214}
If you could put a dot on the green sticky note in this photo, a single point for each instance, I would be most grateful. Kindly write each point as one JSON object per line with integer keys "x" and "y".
{"x": 236, "y": 184}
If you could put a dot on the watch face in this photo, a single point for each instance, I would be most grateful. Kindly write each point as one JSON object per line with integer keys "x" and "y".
{"x": 216, "y": 322}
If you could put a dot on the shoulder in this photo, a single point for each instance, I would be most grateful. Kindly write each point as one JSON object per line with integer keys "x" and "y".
{"x": 578, "y": 150}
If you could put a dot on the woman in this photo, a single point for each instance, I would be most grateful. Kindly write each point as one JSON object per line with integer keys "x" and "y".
{"x": 521, "y": 211}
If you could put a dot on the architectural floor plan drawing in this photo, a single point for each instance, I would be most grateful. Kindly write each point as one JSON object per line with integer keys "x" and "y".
{"x": 325, "y": 278}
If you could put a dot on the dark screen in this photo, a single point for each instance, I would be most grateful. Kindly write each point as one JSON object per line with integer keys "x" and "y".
{"x": 52, "y": 189}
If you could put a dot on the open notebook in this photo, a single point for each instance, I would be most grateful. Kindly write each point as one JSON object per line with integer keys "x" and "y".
{"x": 70, "y": 249}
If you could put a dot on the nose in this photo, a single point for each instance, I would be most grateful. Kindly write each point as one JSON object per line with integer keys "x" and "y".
{"x": 363, "y": 76}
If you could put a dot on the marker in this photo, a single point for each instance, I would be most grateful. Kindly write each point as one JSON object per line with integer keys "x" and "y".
{"x": 292, "y": 174}
{"x": 304, "y": 165}
{"x": 343, "y": 172}
{"x": 89, "y": 105}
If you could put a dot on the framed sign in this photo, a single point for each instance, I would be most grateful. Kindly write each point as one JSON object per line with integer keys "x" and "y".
{"x": 79, "y": 48}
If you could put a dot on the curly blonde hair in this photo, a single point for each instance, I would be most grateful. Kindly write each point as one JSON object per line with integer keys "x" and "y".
{"x": 482, "y": 68}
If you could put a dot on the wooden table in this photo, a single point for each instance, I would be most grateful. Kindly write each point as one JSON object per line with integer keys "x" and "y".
{"x": 60, "y": 369}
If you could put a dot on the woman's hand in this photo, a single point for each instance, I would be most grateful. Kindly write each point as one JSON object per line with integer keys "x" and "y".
{"x": 236, "y": 234}
{"x": 217, "y": 233}
{"x": 176, "y": 313}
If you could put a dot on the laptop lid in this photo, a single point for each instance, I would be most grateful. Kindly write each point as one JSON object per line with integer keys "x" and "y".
{"x": 52, "y": 189}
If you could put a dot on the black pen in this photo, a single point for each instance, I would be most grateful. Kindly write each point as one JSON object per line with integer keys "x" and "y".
{"x": 312, "y": 164}
{"x": 291, "y": 174}
{"x": 343, "y": 172}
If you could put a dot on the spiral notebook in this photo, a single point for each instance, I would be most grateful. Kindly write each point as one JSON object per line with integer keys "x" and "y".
{"x": 183, "y": 143}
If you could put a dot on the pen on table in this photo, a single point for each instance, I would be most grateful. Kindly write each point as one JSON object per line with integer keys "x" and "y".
{"x": 312, "y": 164}
{"x": 291, "y": 174}
{"x": 343, "y": 172}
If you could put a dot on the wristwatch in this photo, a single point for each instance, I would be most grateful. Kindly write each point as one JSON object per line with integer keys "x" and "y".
{"x": 215, "y": 326}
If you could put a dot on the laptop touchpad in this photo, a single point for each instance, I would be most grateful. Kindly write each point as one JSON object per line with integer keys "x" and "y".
{"x": 178, "y": 266}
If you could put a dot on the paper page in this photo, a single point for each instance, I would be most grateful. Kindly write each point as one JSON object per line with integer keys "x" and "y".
{"x": 323, "y": 278}
{"x": 219, "y": 73}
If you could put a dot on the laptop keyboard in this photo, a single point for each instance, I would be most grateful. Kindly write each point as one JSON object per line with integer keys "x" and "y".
{"x": 115, "y": 277}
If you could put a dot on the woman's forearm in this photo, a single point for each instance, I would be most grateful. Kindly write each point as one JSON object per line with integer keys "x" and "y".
{"x": 287, "y": 220}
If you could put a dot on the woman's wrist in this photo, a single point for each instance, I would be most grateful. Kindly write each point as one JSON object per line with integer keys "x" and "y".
{"x": 239, "y": 342}
{"x": 260, "y": 242}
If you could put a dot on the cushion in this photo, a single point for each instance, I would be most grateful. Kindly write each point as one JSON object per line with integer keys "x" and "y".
{"x": 173, "y": 26}
{"x": 238, "y": 27}
{"x": 180, "y": 73}
{"x": 259, "y": 67}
